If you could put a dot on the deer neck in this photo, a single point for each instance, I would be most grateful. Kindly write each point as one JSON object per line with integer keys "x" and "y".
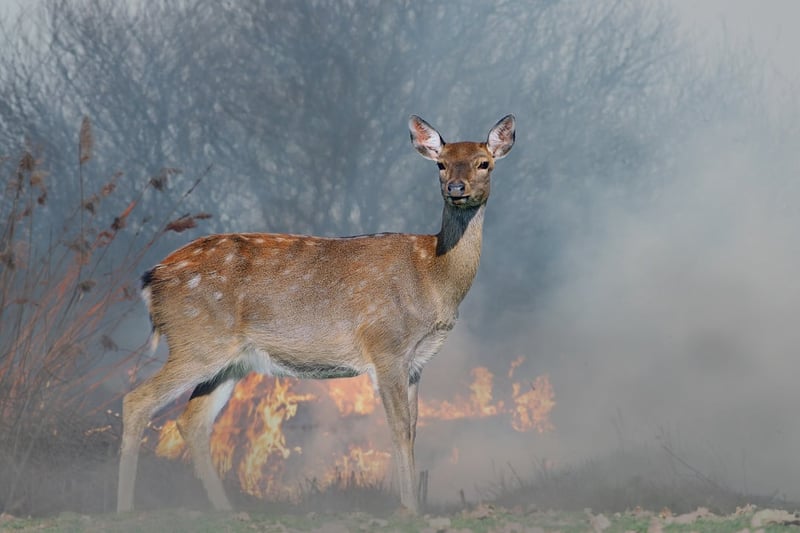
{"x": 458, "y": 251}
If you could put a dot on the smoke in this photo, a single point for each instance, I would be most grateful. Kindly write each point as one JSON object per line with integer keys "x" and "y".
{"x": 676, "y": 320}
{"x": 670, "y": 329}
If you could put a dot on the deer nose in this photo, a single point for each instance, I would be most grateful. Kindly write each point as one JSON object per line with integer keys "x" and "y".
{"x": 456, "y": 188}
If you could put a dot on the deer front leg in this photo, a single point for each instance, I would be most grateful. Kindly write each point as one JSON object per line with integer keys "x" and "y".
{"x": 413, "y": 409}
{"x": 394, "y": 391}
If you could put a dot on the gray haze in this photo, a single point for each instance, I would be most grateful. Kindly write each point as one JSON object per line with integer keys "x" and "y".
{"x": 639, "y": 244}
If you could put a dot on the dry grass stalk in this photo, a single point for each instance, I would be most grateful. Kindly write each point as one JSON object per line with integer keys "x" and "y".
{"x": 86, "y": 142}
{"x": 60, "y": 302}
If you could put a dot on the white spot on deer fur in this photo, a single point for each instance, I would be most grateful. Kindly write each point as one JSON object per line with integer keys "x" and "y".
{"x": 423, "y": 254}
{"x": 311, "y": 242}
{"x": 279, "y": 239}
{"x": 197, "y": 251}
{"x": 244, "y": 237}
{"x": 183, "y": 264}
{"x": 229, "y": 258}
{"x": 258, "y": 240}
{"x": 191, "y": 311}
{"x": 223, "y": 239}
{"x": 217, "y": 295}
{"x": 293, "y": 288}
{"x": 194, "y": 281}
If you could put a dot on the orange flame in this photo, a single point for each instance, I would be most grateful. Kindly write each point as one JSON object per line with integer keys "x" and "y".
{"x": 249, "y": 439}
{"x": 353, "y": 396}
{"x": 266, "y": 438}
{"x": 170, "y": 443}
{"x": 365, "y": 466}
{"x": 532, "y": 408}
{"x": 478, "y": 405}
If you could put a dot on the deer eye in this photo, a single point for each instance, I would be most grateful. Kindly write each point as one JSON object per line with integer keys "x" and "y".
{"x": 483, "y": 165}
{"x": 440, "y": 165}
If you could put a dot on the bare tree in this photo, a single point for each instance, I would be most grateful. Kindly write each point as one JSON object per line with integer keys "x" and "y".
{"x": 603, "y": 92}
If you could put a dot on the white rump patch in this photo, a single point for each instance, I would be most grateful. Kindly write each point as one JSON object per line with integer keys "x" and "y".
{"x": 147, "y": 296}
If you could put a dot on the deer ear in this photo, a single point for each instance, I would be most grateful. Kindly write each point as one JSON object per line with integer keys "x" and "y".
{"x": 501, "y": 137}
{"x": 425, "y": 138}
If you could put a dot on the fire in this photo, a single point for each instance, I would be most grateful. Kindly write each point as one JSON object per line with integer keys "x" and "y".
{"x": 478, "y": 405}
{"x": 532, "y": 407}
{"x": 170, "y": 443}
{"x": 271, "y": 403}
{"x": 249, "y": 438}
{"x": 352, "y": 396}
{"x": 364, "y": 466}
{"x": 266, "y": 438}
{"x": 514, "y": 365}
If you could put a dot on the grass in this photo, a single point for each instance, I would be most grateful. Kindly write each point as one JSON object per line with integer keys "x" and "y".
{"x": 482, "y": 519}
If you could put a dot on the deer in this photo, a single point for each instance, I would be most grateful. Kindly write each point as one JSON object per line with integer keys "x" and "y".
{"x": 313, "y": 307}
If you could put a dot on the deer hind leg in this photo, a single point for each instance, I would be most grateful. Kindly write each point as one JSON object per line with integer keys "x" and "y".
{"x": 394, "y": 391}
{"x": 195, "y": 425}
{"x": 181, "y": 372}
{"x": 138, "y": 406}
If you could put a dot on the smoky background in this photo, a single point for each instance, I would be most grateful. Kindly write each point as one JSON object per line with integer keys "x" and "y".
{"x": 638, "y": 246}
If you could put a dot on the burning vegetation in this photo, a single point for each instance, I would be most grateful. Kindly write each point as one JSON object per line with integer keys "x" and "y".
{"x": 253, "y": 443}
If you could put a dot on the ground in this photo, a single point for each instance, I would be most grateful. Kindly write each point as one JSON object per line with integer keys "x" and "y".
{"x": 479, "y": 519}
